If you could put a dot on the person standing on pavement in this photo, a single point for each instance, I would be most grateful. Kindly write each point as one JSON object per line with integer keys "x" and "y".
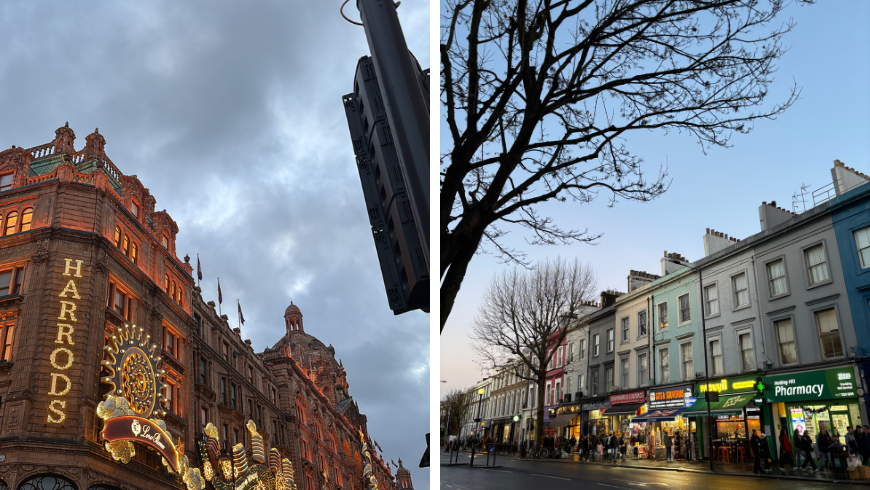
{"x": 823, "y": 442}
{"x": 851, "y": 443}
{"x": 807, "y": 448}
{"x": 755, "y": 444}
{"x": 765, "y": 452}
{"x": 622, "y": 447}
{"x": 796, "y": 442}
{"x": 668, "y": 444}
{"x": 786, "y": 455}
{"x": 862, "y": 444}
{"x": 613, "y": 444}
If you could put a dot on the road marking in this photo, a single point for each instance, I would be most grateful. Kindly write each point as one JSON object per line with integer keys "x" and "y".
{"x": 548, "y": 476}
{"x": 485, "y": 468}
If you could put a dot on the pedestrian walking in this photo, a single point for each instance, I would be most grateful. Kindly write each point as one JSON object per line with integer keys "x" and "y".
{"x": 786, "y": 455}
{"x": 851, "y": 443}
{"x": 755, "y": 444}
{"x": 765, "y": 452}
{"x": 613, "y": 444}
{"x": 622, "y": 447}
{"x": 807, "y": 448}
{"x": 798, "y": 453}
{"x": 823, "y": 442}
{"x": 668, "y": 446}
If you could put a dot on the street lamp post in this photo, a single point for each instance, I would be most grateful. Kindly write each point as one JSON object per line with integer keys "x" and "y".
{"x": 477, "y": 420}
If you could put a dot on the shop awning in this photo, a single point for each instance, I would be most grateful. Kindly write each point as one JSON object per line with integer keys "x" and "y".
{"x": 622, "y": 409}
{"x": 563, "y": 419}
{"x": 664, "y": 415}
{"x": 727, "y": 405}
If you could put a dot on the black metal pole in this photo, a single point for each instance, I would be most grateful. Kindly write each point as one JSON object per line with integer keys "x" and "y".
{"x": 405, "y": 104}
{"x": 479, "y": 402}
{"x": 706, "y": 371}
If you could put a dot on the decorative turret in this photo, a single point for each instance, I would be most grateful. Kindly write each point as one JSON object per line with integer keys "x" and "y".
{"x": 95, "y": 146}
{"x": 293, "y": 318}
{"x": 63, "y": 140}
{"x": 403, "y": 477}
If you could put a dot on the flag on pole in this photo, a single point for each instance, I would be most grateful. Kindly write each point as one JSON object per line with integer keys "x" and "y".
{"x": 198, "y": 268}
{"x": 220, "y": 296}
{"x": 241, "y": 316}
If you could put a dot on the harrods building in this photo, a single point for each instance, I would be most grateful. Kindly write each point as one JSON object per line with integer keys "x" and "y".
{"x": 82, "y": 253}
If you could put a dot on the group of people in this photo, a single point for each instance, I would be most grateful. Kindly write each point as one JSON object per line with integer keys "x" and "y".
{"x": 611, "y": 446}
{"x": 678, "y": 446}
{"x": 800, "y": 446}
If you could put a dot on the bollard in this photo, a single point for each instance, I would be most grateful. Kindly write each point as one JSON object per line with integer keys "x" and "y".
{"x": 472, "y": 455}
{"x": 487, "y": 459}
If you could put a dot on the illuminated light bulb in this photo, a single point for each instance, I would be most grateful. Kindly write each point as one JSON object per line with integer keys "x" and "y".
{"x": 226, "y": 466}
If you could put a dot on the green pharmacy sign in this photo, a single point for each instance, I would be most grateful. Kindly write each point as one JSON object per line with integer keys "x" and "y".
{"x": 828, "y": 384}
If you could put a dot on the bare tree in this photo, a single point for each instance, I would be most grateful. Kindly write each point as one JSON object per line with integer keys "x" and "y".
{"x": 454, "y": 405}
{"x": 540, "y": 97}
{"x": 525, "y": 315}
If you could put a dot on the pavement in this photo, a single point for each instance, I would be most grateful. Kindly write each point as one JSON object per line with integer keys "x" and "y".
{"x": 518, "y": 473}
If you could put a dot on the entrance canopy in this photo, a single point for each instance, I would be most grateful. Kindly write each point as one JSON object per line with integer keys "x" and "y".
{"x": 665, "y": 415}
{"x": 622, "y": 409}
{"x": 727, "y": 405}
{"x": 563, "y": 419}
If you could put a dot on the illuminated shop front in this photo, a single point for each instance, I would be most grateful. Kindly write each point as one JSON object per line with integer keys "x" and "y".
{"x": 568, "y": 420}
{"x": 665, "y": 407}
{"x": 594, "y": 421}
{"x": 734, "y": 415}
{"x": 623, "y": 407}
{"x": 812, "y": 400}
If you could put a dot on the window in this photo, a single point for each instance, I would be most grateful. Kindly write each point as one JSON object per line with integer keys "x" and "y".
{"x": 224, "y": 390}
{"x": 595, "y": 344}
{"x": 235, "y": 436}
{"x": 665, "y": 366}
{"x": 169, "y": 341}
{"x": 829, "y": 332}
{"x": 165, "y": 242}
{"x": 11, "y": 222}
{"x": 250, "y": 409}
{"x": 817, "y": 267}
{"x": 711, "y": 297}
{"x": 10, "y": 281}
{"x": 776, "y": 276}
{"x": 134, "y": 253}
{"x": 747, "y": 357}
{"x": 557, "y": 393}
{"x": 559, "y": 354}
{"x": 716, "y": 356}
{"x": 608, "y": 378}
{"x": 226, "y": 436}
{"x": 166, "y": 283}
{"x": 118, "y": 236}
{"x": 581, "y": 382}
{"x": 624, "y": 372}
{"x": 568, "y": 384}
{"x": 172, "y": 290}
{"x": 134, "y": 209}
{"x": 6, "y": 331}
{"x": 862, "y": 241}
{"x": 570, "y": 353}
{"x": 202, "y": 371}
{"x": 547, "y": 396}
{"x": 126, "y": 248}
{"x": 233, "y": 395}
{"x": 685, "y": 310}
{"x": 120, "y": 302}
{"x": 582, "y": 348}
{"x": 741, "y": 290}
{"x": 787, "y": 353}
{"x": 168, "y": 391}
{"x": 641, "y": 324}
{"x": 203, "y": 416}
{"x": 609, "y": 340}
{"x": 663, "y": 316}
{"x": 595, "y": 383}
{"x": 26, "y": 219}
{"x": 5, "y": 182}
{"x": 226, "y": 352}
{"x": 688, "y": 365}
{"x": 642, "y": 376}
{"x": 625, "y": 329}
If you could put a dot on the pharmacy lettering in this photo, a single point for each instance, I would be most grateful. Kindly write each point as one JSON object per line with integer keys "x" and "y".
{"x": 827, "y": 384}
{"x": 62, "y": 357}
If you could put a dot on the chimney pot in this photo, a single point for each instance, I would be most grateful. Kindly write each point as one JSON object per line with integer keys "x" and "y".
{"x": 773, "y": 203}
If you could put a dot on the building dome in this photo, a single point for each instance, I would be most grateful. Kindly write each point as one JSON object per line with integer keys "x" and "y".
{"x": 292, "y": 310}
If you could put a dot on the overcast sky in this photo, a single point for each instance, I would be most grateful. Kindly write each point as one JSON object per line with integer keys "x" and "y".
{"x": 720, "y": 190}
{"x": 231, "y": 114}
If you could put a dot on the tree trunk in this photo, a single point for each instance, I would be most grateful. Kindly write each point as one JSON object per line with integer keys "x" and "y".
{"x": 456, "y": 273}
{"x": 539, "y": 432}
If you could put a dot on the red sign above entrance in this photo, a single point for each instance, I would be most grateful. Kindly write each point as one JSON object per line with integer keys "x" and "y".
{"x": 626, "y": 398}
{"x": 144, "y": 431}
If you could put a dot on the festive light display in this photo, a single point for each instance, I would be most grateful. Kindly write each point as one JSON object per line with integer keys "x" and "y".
{"x": 368, "y": 475}
{"x": 62, "y": 358}
{"x": 237, "y": 472}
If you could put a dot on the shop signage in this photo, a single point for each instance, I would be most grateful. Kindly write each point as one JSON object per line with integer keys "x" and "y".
{"x": 827, "y": 384}
{"x": 674, "y": 397}
{"x": 740, "y": 384}
{"x": 144, "y": 431}
{"x": 626, "y": 398}
{"x": 596, "y": 405}
{"x": 62, "y": 358}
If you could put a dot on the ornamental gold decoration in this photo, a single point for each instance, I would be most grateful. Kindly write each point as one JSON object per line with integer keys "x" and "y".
{"x": 133, "y": 373}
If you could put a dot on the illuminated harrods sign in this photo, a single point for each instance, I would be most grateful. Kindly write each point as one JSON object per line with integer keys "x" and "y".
{"x": 61, "y": 357}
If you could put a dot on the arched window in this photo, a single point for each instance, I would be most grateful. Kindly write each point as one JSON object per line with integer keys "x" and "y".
{"x": 301, "y": 412}
{"x": 166, "y": 283}
{"x": 134, "y": 253}
{"x": 172, "y": 293}
{"x": 180, "y": 298}
{"x": 127, "y": 245}
{"x": 26, "y": 218}
{"x": 11, "y": 221}
{"x": 47, "y": 482}
{"x": 118, "y": 236}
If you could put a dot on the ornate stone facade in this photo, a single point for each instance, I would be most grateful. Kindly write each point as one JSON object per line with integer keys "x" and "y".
{"x": 82, "y": 252}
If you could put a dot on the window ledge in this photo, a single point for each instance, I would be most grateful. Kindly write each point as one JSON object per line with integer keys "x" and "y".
{"x": 715, "y": 315}
{"x": 819, "y": 284}
{"x": 6, "y": 365}
{"x": 743, "y": 307}
{"x": 111, "y": 312}
{"x": 779, "y": 296}
{"x": 685, "y": 324}
{"x": 10, "y": 299}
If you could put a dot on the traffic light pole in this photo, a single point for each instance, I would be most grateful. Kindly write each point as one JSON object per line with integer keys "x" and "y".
{"x": 404, "y": 102}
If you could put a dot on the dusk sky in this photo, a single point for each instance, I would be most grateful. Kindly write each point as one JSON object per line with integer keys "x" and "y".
{"x": 720, "y": 190}
{"x": 231, "y": 114}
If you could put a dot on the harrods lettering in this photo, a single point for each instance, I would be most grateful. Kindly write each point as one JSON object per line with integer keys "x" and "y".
{"x": 61, "y": 357}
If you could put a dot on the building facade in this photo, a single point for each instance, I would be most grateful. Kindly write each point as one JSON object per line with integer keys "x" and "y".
{"x": 88, "y": 254}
